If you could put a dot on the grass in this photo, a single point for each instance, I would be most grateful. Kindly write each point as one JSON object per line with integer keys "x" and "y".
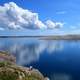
{"x": 8, "y": 75}
{"x": 11, "y": 71}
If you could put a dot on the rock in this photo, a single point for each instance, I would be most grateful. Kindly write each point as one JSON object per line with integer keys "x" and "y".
{"x": 10, "y": 71}
{"x": 46, "y": 78}
{"x": 4, "y": 56}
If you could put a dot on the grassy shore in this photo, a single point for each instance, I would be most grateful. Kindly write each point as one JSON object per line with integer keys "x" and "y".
{"x": 10, "y": 71}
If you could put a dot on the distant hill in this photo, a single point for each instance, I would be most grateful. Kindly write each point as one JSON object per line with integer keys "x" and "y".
{"x": 54, "y": 37}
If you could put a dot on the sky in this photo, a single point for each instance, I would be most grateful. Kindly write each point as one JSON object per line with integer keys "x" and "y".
{"x": 39, "y": 16}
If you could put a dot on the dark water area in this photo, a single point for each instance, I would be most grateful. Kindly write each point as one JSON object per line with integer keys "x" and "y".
{"x": 57, "y": 59}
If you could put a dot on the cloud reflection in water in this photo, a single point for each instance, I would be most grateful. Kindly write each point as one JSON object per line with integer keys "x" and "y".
{"x": 29, "y": 50}
{"x": 57, "y": 56}
{"x": 60, "y": 77}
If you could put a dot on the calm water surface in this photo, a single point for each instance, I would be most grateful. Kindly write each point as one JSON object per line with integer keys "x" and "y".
{"x": 57, "y": 59}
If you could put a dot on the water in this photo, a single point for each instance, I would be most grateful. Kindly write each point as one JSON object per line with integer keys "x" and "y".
{"x": 57, "y": 59}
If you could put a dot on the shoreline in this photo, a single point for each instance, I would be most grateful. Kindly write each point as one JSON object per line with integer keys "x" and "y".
{"x": 55, "y": 37}
{"x": 9, "y": 70}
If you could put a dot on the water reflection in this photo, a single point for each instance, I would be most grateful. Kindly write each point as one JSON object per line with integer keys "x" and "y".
{"x": 29, "y": 50}
{"x": 54, "y": 46}
{"x": 60, "y": 76}
{"x": 60, "y": 60}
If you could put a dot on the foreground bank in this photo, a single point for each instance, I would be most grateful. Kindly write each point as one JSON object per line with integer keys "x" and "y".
{"x": 10, "y": 71}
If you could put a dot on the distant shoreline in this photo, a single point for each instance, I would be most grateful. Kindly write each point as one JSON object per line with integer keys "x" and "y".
{"x": 54, "y": 37}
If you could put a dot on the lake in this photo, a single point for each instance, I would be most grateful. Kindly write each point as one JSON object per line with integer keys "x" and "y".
{"x": 57, "y": 59}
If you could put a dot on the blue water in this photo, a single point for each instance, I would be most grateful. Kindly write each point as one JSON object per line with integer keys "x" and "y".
{"x": 57, "y": 59}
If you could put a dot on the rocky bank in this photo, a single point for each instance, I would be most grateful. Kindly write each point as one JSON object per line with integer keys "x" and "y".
{"x": 10, "y": 71}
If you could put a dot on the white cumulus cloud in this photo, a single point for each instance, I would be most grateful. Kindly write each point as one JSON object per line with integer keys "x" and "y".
{"x": 61, "y": 12}
{"x": 51, "y": 25}
{"x": 14, "y": 17}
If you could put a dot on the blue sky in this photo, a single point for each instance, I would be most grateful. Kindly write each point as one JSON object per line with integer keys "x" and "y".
{"x": 64, "y": 11}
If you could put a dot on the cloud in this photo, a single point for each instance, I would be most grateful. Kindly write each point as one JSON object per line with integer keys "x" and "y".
{"x": 13, "y": 17}
{"x": 61, "y": 12}
{"x": 73, "y": 27}
{"x": 51, "y": 25}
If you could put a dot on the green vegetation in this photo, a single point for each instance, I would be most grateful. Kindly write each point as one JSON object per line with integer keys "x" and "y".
{"x": 11, "y": 71}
